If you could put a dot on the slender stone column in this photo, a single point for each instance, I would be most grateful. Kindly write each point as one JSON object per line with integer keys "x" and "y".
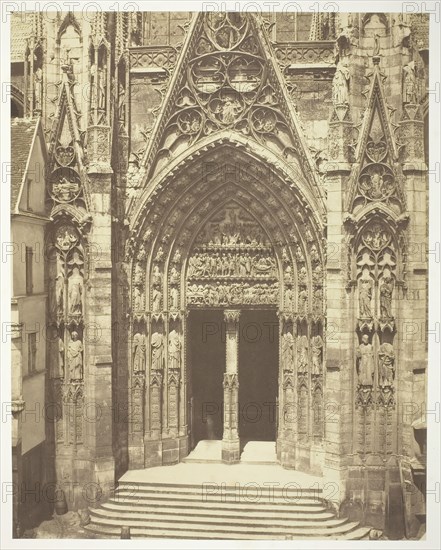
{"x": 230, "y": 440}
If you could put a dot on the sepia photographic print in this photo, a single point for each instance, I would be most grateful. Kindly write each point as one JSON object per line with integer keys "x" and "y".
{"x": 216, "y": 316}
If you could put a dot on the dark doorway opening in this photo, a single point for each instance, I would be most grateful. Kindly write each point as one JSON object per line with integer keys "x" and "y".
{"x": 206, "y": 360}
{"x": 258, "y": 375}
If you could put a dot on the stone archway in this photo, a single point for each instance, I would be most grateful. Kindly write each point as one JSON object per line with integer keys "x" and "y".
{"x": 228, "y": 240}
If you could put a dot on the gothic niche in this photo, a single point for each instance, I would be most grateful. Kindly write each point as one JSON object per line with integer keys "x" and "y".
{"x": 376, "y": 264}
{"x": 66, "y": 312}
{"x": 377, "y": 180}
{"x": 232, "y": 263}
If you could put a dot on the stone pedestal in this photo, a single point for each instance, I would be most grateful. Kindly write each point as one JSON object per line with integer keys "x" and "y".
{"x": 230, "y": 440}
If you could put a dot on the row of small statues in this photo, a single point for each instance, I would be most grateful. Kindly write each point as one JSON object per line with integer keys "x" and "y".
{"x": 236, "y": 293}
{"x": 365, "y": 288}
{"x": 157, "y": 351}
{"x": 303, "y": 346}
{"x": 365, "y": 364}
{"x": 231, "y": 265}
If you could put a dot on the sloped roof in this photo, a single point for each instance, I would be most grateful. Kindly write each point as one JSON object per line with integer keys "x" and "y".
{"x": 21, "y": 29}
{"x": 22, "y": 136}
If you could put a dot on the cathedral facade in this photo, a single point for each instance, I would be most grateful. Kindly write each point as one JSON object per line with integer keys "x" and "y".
{"x": 208, "y": 172}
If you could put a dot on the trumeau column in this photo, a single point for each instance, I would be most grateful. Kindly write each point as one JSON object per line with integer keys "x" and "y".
{"x": 230, "y": 440}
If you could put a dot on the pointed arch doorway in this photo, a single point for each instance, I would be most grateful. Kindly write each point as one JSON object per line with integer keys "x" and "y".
{"x": 230, "y": 243}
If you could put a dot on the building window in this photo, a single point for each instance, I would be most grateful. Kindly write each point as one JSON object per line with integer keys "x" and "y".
{"x": 29, "y": 266}
{"x": 32, "y": 352}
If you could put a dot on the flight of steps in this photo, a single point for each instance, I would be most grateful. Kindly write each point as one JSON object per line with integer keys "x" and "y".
{"x": 176, "y": 510}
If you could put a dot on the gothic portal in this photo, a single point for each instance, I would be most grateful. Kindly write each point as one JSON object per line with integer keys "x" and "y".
{"x": 236, "y": 170}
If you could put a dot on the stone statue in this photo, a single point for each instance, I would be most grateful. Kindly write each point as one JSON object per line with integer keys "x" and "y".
{"x": 59, "y": 293}
{"x": 174, "y": 350}
{"x": 76, "y": 293}
{"x": 61, "y": 357}
{"x": 156, "y": 300}
{"x": 138, "y": 352}
{"x": 302, "y": 363}
{"x": 156, "y": 275}
{"x": 303, "y": 301}
{"x": 287, "y": 350}
{"x": 157, "y": 345}
{"x": 75, "y": 357}
{"x": 137, "y": 298}
{"x": 138, "y": 275}
{"x": 102, "y": 86}
{"x": 174, "y": 298}
{"x": 386, "y": 365}
{"x": 365, "y": 362}
{"x": 288, "y": 298}
{"x": 365, "y": 298}
{"x": 38, "y": 89}
{"x": 316, "y": 348}
{"x": 386, "y": 290}
{"x": 410, "y": 94}
{"x": 376, "y": 51}
{"x": 340, "y": 85}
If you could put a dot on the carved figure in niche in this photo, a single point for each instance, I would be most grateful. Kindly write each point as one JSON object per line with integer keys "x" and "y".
{"x": 386, "y": 290}
{"x": 159, "y": 255}
{"x": 157, "y": 345}
{"x": 174, "y": 298}
{"x": 386, "y": 364}
{"x": 302, "y": 362}
{"x": 287, "y": 350}
{"x": 75, "y": 292}
{"x": 156, "y": 275}
{"x": 316, "y": 349}
{"x": 66, "y": 240}
{"x": 137, "y": 298}
{"x": 142, "y": 253}
{"x": 365, "y": 298}
{"x": 229, "y": 110}
{"x": 303, "y": 301}
{"x": 102, "y": 86}
{"x": 285, "y": 256}
{"x": 59, "y": 293}
{"x": 288, "y": 274}
{"x": 61, "y": 357}
{"x": 317, "y": 274}
{"x": 139, "y": 352}
{"x": 139, "y": 275}
{"x": 174, "y": 275}
{"x": 75, "y": 357}
{"x": 365, "y": 362}
{"x": 376, "y": 51}
{"x": 38, "y": 88}
{"x": 174, "y": 350}
{"x": 303, "y": 274}
{"x": 317, "y": 300}
{"x": 410, "y": 84}
{"x": 288, "y": 298}
{"x": 156, "y": 300}
{"x": 340, "y": 85}
{"x": 314, "y": 254}
{"x": 64, "y": 190}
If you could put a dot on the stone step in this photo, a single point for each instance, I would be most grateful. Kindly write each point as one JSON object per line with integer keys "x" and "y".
{"x": 291, "y": 490}
{"x": 233, "y": 499}
{"x": 173, "y": 530}
{"x": 269, "y": 512}
{"x": 276, "y": 521}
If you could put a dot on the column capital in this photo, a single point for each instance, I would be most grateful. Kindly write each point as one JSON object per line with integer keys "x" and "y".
{"x": 231, "y": 315}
